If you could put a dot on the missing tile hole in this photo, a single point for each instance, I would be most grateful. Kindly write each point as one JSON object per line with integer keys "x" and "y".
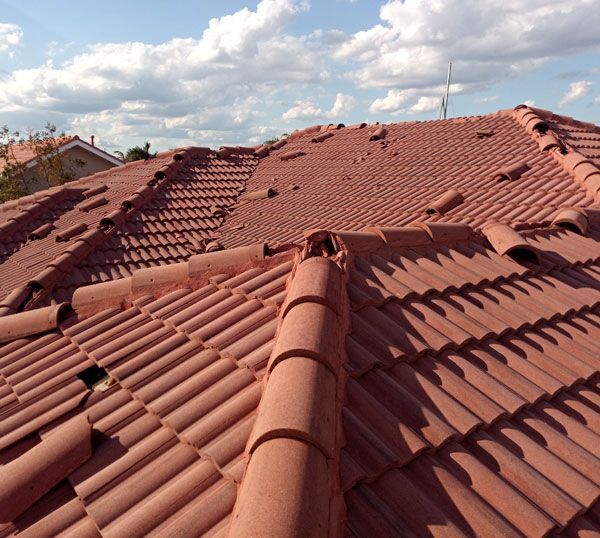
{"x": 95, "y": 378}
{"x": 524, "y": 256}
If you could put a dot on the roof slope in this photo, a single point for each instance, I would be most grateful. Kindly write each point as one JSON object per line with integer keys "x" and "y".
{"x": 105, "y": 226}
{"x": 171, "y": 424}
{"x": 417, "y": 382}
{"x": 437, "y": 378}
{"x": 518, "y": 167}
{"x": 501, "y": 166}
{"x": 473, "y": 391}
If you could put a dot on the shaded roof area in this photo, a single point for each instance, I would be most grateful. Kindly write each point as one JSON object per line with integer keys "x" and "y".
{"x": 510, "y": 166}
{"x": 107, "y": 225}
{"x": 473, "y": 396}
{"x": 430, "y": 379}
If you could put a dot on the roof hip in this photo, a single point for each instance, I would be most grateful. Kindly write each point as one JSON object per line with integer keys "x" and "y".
{"x": 294, "y": 444}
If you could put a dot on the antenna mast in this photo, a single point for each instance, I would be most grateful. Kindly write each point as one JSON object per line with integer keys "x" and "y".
{"x": 444, "y": 106}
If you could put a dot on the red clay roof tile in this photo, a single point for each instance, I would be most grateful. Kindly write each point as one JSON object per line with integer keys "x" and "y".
{"x": 447, "y": 388}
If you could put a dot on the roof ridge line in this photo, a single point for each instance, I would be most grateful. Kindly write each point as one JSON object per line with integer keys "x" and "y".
{"x": 579, "y": 167}
{"x": 163, "y": 275}
{"x": 43, "y": 282}
{"x": 323, "y": 242}
{"x": 296, "y": 438}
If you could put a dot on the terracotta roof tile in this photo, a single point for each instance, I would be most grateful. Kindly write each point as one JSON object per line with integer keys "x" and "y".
{"x": 393, "y": 181}
{"x": 170, "y": 432}
{"x": 146, "y": 201}
{"x": 380, "y": 379}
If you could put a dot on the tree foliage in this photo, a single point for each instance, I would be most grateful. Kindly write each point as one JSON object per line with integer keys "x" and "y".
{"x": 276, "y": 139}
{"x": 137, "y": 153}
{"x": 44, "y": 144}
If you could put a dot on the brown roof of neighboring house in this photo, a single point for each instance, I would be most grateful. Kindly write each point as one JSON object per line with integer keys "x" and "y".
{"x": 439, "y": 377}
{"x": 24, "y": 153}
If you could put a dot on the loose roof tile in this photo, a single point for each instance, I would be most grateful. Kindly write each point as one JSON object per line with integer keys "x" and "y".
{"x": 30, "y": 476}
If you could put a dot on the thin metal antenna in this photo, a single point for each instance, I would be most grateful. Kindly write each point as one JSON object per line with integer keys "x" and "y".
{"x": 444, "y": 106}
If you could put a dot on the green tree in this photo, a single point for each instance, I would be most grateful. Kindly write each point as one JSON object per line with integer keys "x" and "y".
{"x": 45, "y": 145}
{"x": 137, "y": 153}
{"x": 276, "y": 139}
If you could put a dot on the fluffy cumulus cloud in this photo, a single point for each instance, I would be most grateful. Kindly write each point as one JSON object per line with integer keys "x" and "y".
{"x": 235, "y": 80}
{"x": 10, "y": 37}
{"x": 486, "y": 41}
{"x": 306, "y": 110}
{"x": 577, "y": 90}
{"x": 412, "y": 100}
{"x": 189, "y": 86}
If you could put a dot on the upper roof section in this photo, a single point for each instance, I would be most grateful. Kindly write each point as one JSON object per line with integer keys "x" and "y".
{"x": 107, "y": 225}
{"x": 25, "y": 154}
{"x": 518, "y": 167}
{"x": 515, "y": 166}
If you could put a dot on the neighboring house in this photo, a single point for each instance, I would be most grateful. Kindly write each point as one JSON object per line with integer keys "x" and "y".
{"x": 79, "y": 159}
{"x": 401, "y": 337}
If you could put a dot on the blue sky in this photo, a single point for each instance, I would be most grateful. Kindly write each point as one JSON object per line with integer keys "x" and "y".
{"x": 237, "y": 72}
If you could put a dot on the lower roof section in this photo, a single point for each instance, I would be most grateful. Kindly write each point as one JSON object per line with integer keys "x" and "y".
{"x": 396, "y": 381}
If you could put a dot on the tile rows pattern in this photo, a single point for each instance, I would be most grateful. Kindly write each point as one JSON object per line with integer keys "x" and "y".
{"x": 473, "y": 397}
{"x": 347, "y": 182}
{"x": 169, "y": 434}
{"x": 581, "y": 136}
{"x": 175, "y": 224}
{"x": 27, "y": 258}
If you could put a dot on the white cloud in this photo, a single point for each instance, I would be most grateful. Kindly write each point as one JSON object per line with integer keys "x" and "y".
{"x": 597, "y": 100}
{"x": 343, "y": 105}
{"x": 529, "y": 102}
{"x": 230, "y": 82}
{"x": 577, "y": 90}
{"x": 187, "y": 85}
{"x": 487, "y": 42}
{"x": 412, "y": 101}
{"x": 486, "y": 99}
{"x": 10, "y": 36}
{"x": 424, "y": 104}
{"x": 306, "y": 110}
{"x": 394, "y": 101}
